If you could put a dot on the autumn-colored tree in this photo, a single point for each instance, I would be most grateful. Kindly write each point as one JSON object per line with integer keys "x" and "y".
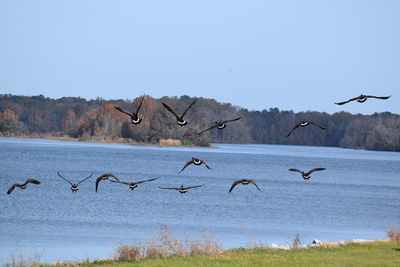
{"x": 9, "y": 123}
{"x": 70, "y": 124}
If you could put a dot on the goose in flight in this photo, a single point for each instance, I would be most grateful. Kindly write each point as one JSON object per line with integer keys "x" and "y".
{"x": 244, "y": 182}
{"x": 304, "y": 124}
{"x": 306, "y": 175}
{"x": 181, "y": 189}
{"x": 22, "y": 186}
{"x": 362, "y": 99}
{"x": 105, "y": 177}
{"x": 219, "y": 125}
{"x": 134, "y": 116}
{"x": 74, "y": 187}
{"x": 180, "y": 120}
{"x": 196, "y": 162}
{"x": 133, "y": 185}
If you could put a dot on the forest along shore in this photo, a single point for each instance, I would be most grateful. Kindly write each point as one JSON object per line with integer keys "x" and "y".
{"x": 98, "y": 119}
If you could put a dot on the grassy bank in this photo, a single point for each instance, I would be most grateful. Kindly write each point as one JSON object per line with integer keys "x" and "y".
{"x": 378, "y": 253}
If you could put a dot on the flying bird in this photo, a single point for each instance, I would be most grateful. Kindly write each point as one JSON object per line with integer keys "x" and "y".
{"x": 219, "y": 125}
{"x": 133, "y": 185}
{"x": 362, "y": 99}
{"x": 306, "y": 175}
{"x": 180, "y": 120}
{"x": 22, "y": 186}
{"x": 244, "y": 182}
{"x": 105, "y": 177}
{"x": 134, "y": 116}
{"x": 181, "y": 189}
{"x": 196, "y": 162}
{"x": 74, "y": 187}
{"x": 304, "y": 124}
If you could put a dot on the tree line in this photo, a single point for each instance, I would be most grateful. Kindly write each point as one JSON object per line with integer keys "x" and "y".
{"x": 97, "y": 118}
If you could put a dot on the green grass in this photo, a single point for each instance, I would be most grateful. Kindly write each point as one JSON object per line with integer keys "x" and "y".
{"x": 366, "y": 254}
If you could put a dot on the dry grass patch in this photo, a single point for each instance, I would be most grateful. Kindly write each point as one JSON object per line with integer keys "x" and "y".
{"x": 208, "y": 243}
{"x": 168, "y": 244}
{"x": 296, "y": 242}
{"x": 127, "y": 253}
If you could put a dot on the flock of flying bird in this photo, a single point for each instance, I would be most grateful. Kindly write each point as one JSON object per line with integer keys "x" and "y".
{"x": 134, "y": 116}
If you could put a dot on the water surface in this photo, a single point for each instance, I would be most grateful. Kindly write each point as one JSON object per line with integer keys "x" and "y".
{"x": 356, "y": 197}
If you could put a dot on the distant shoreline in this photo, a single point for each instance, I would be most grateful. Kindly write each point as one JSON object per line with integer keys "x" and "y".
{"x": 124, "y": 141}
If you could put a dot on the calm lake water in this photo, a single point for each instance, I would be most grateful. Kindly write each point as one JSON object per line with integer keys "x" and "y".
{"x": 358, "y": 196}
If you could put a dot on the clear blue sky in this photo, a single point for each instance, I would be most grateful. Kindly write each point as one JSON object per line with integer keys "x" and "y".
{"x": 299, "y": 55}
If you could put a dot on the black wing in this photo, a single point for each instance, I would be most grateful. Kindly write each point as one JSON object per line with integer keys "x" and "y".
{"x": 378, "y": 97}
{"x": 183, "y": 114}
{"x": 64, "y": 178}
{"x": 121, "y": 182}
{"x": 98, "y": 181}
{"x": 294, "y": 128}
{"x": 85, "y": 179}
{"x": 319, "y": 126}
{"x": 12, "y": 188}
{"x": 315, "y": 169}
{"x": 187, "y": 164}
{"x": 101, "y": 177}
{"x": 140, "y": 105}
{"x": 123, "y": 111}
{"x": 31, "y": 181}
{"x": 170, "y": 188}
{"x": 253, "y": 182}
{"x": 208, "y": 167}
{"x": 235, "y": 183}
{"x": 212, "y": 127}
{"x": 149, "y": 180}
{"x": 295, "y": 170}
{"x": 170, "y": 110}
{"x": 108, "y": 175}
{"x": 189, "y": 187}
{"x": 345, "y": 102}
{"x": 223, "y": 122}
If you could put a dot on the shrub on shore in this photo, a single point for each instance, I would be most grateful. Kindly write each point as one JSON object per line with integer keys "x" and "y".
{"x": 168, "y": 244}
{"x": 394, "y": 234}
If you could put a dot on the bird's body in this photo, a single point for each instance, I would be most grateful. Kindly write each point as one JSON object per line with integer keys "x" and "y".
{"x": 105, "y": 177}
{"x": 134, "y": 115}
{"x": 306, "y": 175}
{"x": 196, "y": 162}
{"x": 362, "y": 99}
{"x": 219, "y": 125}
{"x": 304, "y": 124}
{"x": 74, "y": 187}
{"x": 22, "y": 186}
{"x": 179, "y": 118}
{"x": 133, "y": 185}
{"x": 243, "y": 182}
{"x": 182, "y": 189}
